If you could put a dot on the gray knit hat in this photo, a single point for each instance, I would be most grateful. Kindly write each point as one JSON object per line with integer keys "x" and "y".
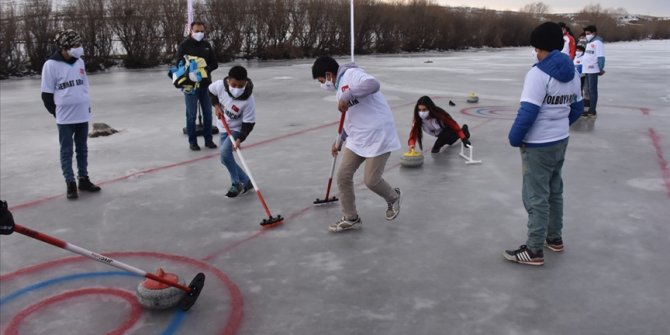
{"x": 66, "y": 39}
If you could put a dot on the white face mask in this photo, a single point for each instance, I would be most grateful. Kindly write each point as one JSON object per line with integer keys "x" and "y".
{"x": 423, "y": 114}
{"x": 328, "y": 84}
{"x": 198, "y": 36}
{"x": 76, "y": 52}
{"x": 236, "y": 92}
{"x": 580, "y": 53}
{"x": 589, "y": 37}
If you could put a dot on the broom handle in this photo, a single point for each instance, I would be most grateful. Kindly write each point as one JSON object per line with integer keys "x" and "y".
{"x": 94, "y": 256}
{"x": 239, "y": 154}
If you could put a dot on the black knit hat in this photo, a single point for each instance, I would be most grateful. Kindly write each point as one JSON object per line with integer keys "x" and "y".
{"x": 66, "y": 39}
{"x": 547, "y": 36}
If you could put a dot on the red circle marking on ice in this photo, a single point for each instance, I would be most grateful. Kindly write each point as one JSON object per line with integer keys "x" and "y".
{"x": 135, "y": 313}
{"x": 236, "y": 302}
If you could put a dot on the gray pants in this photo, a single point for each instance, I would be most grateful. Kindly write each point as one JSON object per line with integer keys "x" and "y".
{"x": 542, "y": 192}
{"x": 374, "y": 168}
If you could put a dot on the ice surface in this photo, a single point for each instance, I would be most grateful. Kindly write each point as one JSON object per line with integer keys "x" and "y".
{"x": 436, "y": 269}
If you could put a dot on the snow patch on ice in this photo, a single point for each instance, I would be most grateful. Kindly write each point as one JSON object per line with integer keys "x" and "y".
{"x": 647, "y": 184}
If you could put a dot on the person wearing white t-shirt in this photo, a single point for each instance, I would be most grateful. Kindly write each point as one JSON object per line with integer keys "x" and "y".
{"x": 65, "y": 95}
{"x": 233, "y": 100}
{"x": 369, "y": 135}
{"x": 550, "y": 102}
{"x": 593, "y": 65}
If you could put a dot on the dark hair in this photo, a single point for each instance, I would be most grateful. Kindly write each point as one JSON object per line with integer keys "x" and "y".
{"x": 580, "y": 47}
{"x": 197, "y": 23}
{"x": 238, "y": 72}
{"x": 566, "y": 27}
{"x": 591, "y": 28}
{"x": 547, "y": 36}
{"x": 324, "y": 64}
{"x": 434, "y": 111}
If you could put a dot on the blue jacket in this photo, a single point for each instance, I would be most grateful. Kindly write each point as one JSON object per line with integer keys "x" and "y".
{"x": 557, "y": 66}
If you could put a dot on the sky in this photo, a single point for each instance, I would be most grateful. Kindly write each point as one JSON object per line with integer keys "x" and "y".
{"x": 644, "y": 7}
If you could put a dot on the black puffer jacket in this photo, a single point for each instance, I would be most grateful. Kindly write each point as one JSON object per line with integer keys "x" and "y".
{"x": 200, "y": 49}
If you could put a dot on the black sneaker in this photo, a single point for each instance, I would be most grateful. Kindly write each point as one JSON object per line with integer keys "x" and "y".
{"x": 554, "y": 244}
{"x": 85, "y": 184}
{"x": 466, "y": 131}
{"x": 211, "y": 145}
{"x": 524, "y": 255}
{"x": 233, "y": 191}
{"x": 195, "y": 147}
{"x": 72, "y": 190}
{"x": 249, "y": 186}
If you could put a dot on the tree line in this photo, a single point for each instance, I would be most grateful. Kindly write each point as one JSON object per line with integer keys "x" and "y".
{"x": 145, "y": 33}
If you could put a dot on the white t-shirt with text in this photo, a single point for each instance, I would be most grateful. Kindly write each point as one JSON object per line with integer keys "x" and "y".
{"x": 69, "y": 85}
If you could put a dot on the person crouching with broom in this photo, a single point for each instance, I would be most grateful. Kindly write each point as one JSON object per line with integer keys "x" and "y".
{"x": 234, "y": 95}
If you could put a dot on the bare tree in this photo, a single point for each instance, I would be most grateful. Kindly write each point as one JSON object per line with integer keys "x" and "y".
{"x": 39, "y": 29}
{"x": 535, "y": 8}
{"x": 173, "y": 23}
{"x": 138, "y": 28}
{"x": 89, "y": 18}
{"x": 11, "y": 58}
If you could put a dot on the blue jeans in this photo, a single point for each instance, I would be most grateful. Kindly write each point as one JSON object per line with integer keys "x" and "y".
{"x": 542, "y": 192}
{"x": 66, "y": 134}
{"x": 191, "y": 100}
{"x": 237, "y": 175}
{"x": 592, "y": 83}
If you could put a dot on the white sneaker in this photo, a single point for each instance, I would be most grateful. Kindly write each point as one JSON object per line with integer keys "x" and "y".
{"x": 345, "y": 224}
{"x": 394, "y": 207}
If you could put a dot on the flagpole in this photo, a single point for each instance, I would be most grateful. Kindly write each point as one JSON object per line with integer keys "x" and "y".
{"x": 351, "y": 20}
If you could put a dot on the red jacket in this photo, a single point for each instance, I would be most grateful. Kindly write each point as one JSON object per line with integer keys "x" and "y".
{"x": 444, "y": 119}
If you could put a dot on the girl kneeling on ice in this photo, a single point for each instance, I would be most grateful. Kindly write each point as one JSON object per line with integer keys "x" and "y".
{"x": 437, "y": 122}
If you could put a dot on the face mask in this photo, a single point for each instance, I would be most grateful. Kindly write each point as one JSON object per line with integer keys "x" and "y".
{"x": 198, "y": 36}
{"x": 580, "y": 53}
{"x": 328, "y": 85}
{"x": 76, "y": 52}
{"x": 423, "y": 114}
{"x": 534, "y": 55}
{"x": 589, "y": 37}
{"x": 236, "y": 92}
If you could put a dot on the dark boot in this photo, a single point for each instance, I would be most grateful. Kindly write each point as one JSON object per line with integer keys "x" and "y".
{"x": 86, "y": 185}
{"x": 72, "y": 190}
{"x": 466, "y": 131}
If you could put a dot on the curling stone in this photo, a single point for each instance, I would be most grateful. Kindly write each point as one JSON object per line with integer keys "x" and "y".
{"x": 472, "y": 97}
{"x": 155, "y": 295}
{"x": 412, "y": 158}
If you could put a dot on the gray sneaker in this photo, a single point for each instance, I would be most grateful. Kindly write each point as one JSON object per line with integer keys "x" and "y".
{"x": 394, "y": 207}
{"x": 345, "y": 224}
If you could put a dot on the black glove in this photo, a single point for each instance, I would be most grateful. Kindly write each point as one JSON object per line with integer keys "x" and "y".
{"x": 6, "y": 219}
{"x": 466, "y": 142}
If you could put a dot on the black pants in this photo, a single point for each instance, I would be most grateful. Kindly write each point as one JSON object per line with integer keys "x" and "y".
{"x": 447, "y": 136}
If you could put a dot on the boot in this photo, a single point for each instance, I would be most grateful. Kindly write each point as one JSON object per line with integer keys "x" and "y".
{"x": 86, "y": 185}
{"x": 72, "y": 190}
{"x": 466, "y": 131}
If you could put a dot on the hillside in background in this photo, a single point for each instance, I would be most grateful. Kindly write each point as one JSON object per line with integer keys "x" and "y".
{"x": 145, "y": 33}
